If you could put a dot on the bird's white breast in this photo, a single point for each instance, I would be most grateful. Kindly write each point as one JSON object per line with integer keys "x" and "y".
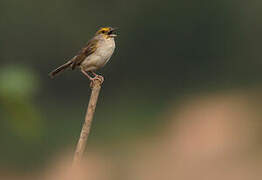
{"x": 100, "y": 57}
{"x": 106, "y": 48}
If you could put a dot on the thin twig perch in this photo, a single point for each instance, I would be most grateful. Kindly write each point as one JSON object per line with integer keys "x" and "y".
{"x": 95, "y": 86}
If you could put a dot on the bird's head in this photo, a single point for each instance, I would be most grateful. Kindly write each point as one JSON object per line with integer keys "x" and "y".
{"x": 108, "y": 32}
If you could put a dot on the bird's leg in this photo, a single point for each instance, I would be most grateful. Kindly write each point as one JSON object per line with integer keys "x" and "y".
{"x": 92, "y": 79}
{"x": 87, "y": 75}
{"x": 101, "y": 78}
{"x": 94, "y": 73}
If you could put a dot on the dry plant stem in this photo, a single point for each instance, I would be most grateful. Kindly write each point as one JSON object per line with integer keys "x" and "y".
{"x": 95, "y": 86}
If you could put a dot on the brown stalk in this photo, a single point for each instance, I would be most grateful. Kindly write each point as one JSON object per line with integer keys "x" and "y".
{"x": 80, "y": 148}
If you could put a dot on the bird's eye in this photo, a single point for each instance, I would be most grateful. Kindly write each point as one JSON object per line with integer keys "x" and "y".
{"x": 103, "y": 31}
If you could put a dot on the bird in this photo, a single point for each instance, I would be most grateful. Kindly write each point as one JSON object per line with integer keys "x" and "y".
{"x": 93, "y": 56}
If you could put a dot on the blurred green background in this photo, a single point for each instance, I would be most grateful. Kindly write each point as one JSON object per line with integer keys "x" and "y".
{"x": 165, "y": 51}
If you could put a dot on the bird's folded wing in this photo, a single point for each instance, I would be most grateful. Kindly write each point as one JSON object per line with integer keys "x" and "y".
{"x": 89, "y": 49}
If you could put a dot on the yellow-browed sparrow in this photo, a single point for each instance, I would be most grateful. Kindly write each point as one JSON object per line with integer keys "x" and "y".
{"x": 94, "y": 55}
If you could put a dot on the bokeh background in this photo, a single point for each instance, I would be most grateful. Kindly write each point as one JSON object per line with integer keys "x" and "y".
{"x": 181, "y": 98}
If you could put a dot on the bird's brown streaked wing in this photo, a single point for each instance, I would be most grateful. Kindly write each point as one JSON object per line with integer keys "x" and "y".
{"x": 84, "y": 52}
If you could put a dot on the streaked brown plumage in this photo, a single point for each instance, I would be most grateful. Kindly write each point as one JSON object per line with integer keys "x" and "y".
{"x": 94, "y": 55}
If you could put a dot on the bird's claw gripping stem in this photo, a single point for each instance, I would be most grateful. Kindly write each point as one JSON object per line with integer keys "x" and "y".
{"x": 93, "y": 79}
{"x": 97, "y": 77}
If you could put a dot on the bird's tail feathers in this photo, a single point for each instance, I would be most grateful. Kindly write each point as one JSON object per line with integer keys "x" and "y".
{"x": 60, "y": 69}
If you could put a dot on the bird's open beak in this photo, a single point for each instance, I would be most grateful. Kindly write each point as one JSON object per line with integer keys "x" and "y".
{"x": 112, "y": 32}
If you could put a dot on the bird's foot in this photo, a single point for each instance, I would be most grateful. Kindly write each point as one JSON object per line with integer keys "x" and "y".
{"x": 94, "y": 79}
{"x": 101, "y": 78}
{"x": 97, "y": 77}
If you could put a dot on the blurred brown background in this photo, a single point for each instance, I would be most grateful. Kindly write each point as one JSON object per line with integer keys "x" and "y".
{"x": 181, "y": 98}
